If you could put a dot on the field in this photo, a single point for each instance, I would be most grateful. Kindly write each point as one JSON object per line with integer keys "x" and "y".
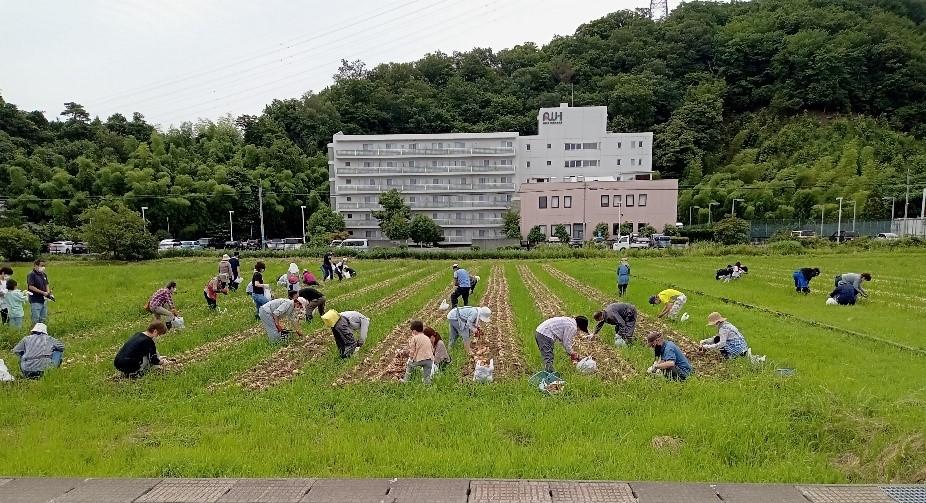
{"x": 234, "y": 405}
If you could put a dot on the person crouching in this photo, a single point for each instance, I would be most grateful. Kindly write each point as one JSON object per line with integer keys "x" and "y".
{"x": 139, "y": 353}
{"x": 420, "y": 353}
{"x": 216, "y": 285}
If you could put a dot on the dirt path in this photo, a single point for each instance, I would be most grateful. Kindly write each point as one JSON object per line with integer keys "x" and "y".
{"x": 498, "y": 339}
{"x": 287, "y": 362}
{"x": 611, "y": 366}
{"x": 703, "y": 362}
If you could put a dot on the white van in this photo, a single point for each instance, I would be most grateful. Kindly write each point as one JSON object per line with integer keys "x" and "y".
{"x": 355, "y": 244}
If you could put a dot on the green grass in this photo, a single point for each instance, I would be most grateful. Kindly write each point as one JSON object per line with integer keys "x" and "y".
{"x": 854, "y": 411}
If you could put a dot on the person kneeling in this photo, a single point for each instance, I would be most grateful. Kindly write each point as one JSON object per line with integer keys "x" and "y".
{"x": 139, "y": 353}
{"x": 728, "y": 341}
{"x": 670, "y": 360}
{"x": 420, "y": 353}
{"x": 845, "y": 294}
{"x": 38, "y": 352}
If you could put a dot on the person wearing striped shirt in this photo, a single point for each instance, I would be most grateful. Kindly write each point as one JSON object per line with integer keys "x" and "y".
{"x": 562, "y": 329}
{"x": 728, "y": 341}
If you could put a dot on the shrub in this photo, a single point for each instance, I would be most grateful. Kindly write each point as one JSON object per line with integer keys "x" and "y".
{"x": 786, "y": 247}
{"x": 678, "y": 240}
{"x": 731, "y": 231}
{"x": 18, "y": 244}
{"x": 118, "y": 232}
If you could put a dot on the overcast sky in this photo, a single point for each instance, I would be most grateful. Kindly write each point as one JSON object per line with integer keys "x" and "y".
{"x": 179, "y": 60}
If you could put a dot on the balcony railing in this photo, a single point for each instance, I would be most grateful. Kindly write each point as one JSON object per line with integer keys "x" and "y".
{"x": 452, "y": 222}
{"x": 418, "y": 152}
{"x": 496, "y": 204}
{"x": 441, "y": 187}
{"x": 422, "y": 170}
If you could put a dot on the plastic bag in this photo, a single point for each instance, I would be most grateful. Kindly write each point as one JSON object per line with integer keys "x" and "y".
{"x": 444, "y": 305}
{"x": 587, "y": 365}
{"x": 346, "y": 274}
{"x": 831, "y": 301}
{"x": 5, "y": 375}
{"x": 238, "y": 280}
{"x": 282, "y": 281}
{"x": 685, "y": 317}
{"x": 178, "y": 323}
{"x": 620, "y": 342}
{"x": 483, "y": 373}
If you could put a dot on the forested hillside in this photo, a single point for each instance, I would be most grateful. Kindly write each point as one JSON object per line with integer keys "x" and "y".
{"x": 784, "y": 103}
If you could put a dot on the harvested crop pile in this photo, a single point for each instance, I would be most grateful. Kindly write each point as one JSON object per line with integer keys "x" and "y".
{"x": 705, "y": 363}
{"x": 498, "y": 340}
{"x": 610, "y": 365}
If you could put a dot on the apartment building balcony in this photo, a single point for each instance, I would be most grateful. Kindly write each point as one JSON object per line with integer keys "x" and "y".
{"x": 426, "y": 205}
{"x": 468, "y": 222}
{"x": 422, "y": 170}
{"x": 419, "y": 152}
{"x": 425, "y": 188}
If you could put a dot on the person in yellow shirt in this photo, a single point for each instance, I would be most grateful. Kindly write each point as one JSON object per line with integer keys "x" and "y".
{"x": 672, "y": 301}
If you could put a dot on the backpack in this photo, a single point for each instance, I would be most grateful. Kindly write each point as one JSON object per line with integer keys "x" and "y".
{"x": 292, "y": 278}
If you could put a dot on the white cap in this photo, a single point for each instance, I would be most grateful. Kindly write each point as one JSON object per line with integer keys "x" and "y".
{"x": 456, "y": 266}
{"x": 40, "y": 328}
{"x": 485, "y": 314}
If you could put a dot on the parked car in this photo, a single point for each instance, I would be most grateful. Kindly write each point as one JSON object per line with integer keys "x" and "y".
{"x": 355, "y": 244}
{"x": 80, "y": 248}
{"x": 63, "y": 247}
{"x": 292, "y": 243}
{"x": 888, "y": 235}
{"x": 274, "y": 244}
{"x": 168, "y": 244}
{"x": 190, "y": 245}
{"x": 660, "y": 241}
{"x": 844, "y": 236}
{"x": 335, "y": 243}
{"x": 803, "y": 234}
{"x": 232, "y": 245}
{"x": 627, "y": 242}
{"x": 251, "y": 244}
{"x": 575, "y": 243}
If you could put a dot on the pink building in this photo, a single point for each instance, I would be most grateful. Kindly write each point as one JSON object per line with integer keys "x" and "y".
{"x": 583, "y": 205}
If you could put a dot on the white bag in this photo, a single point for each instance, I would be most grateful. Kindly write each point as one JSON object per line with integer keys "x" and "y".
{"x": 444, "y": 305}
{"x": 483, "y": 373}
{"x": 346, "y": 274}
{"x": 831, "y": 301}
{"x": 5, "y": 375}
{"x": 238, "y": 280}
{"x": 587, "y": 365}
{"x": 685, "y": 317}
{"x": 178, "y": 323}
{"x": 250, "y": 288}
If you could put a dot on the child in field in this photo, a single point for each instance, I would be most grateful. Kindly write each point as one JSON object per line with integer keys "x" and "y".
{"x": 15, "y": 303}
{"x": 420, "y": 353}
{"x": 212, "y": 289}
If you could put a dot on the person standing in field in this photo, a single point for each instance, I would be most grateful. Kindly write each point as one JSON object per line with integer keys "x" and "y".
{"x": 235, "y": 263}
{"x": 441, "y": 355}
{"x": 672, "y": 301}
{"x": 463, "y": 284}
{"x": 38, "y": 352}
{"x": 623, "y": 277}
{"x": 728, "y": 341}
{"x": 258, "y": 289}
{"x": 464, "y": 324}
{"x": 670, "y": 360}
{"x": 225, "y": 266}
{"x": 802, "y": 278}
{"x": 327, "y": 268}
{"x": 161, "y": 303}
{"x": 315, "y": 300}
{"x": 39, "y": 292}
{"x": 624, "y": 318}
{"x": 6, "y": 274}
{"x": 216, "y": 285}
{"x": 341, "y": 330}
{"x": 420, "y": 353}
{"x": 562, "y": 329}
{"x": 15, "y": 302}
{"x": 273, "y": 313}
{"x": 139, "y": 353}
{"x": 854, "y": 279}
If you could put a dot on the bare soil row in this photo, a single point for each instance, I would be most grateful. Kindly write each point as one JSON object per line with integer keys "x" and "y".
{"x": 498, "y": 340}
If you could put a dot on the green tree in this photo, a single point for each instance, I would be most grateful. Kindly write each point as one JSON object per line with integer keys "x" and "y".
{"x": 536, "y": 235}
{"x": 18, "y": 244}
{"x": 396, "y": 228}
{"x": 324, "y": 221}
{"x": 560, "y": 232}
{"x": 647, "y": 231}
{"x": 118, "y": 232}
{"x": 424, "y": 230}
{"x": 602, "y": 230}
{"x": 731, "y": 231}
{"x": 75, "y": 112}
{"x": 394, "y": 218}
{"x": 511, "y": 224}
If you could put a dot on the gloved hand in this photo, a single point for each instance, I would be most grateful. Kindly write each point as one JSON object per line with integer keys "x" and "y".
{"x": 705, "y": 341}
{"x": 652, "y": 369}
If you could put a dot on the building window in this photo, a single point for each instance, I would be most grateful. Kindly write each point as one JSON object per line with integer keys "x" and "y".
{"x": 549, "y": 163}
{"x": 347, "y": 163}
{"x": 641, "y": 146}
{"x": 482, "y": 233}
{"x": 459, "y": 216}
{"x": 482, "y": 179}
{"x": 390, "y": 164}
{"x": 368, "y": 199}
{"x": 590, "y": 146}
{"x": 389, "y": 182}
{"x": 618, "y": 162}
{"x": 629, "y": 200}
{"x": 528, "y": 164}
{"x": 371, "y": 182}
{"x": 528, "y": 146}
{"x": 411, "y": 199}
{"x": 543, "y": 229}
{"x": 590, "y": 163}
{"x": 633, "y": 144}
{"x": 411, "y": 164}
{"x": 549, "y": 146}
{"x": 505, "y": 162}
{"x": 507, "y": 144}
{"x": 481, "y": 197}
{"x": 639, "y": 162}
{"x": 350, "y": 215}
{"x": 347, "y": 181}
{"x": 505, "y": 179}
{"x": 413, "y": 181}
{"x": 641, "y": 200}
{"x": 605, "y": 201}
{"x": 618, "y": 144}
{"x": 615, "y": 229}
{"x": 567, "y": 201}
{"x": 459, "y": 144}
{"x": 641, "y": 225}
{"x": 435, "y": 199}
{"x": 459, "y": 232}
{"x": 554, "y": 201}
{"x": 389, "y": 146}
{"x": 413, "y": 146}
{"x": 617, "y": 200}
{"x": 508, "y": 198}
{"x": 433, "y": 164}
{"x": 348, "y": 198}
{"x": 542, "y": 202}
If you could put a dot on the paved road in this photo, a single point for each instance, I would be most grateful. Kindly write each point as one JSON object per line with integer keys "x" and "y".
{"x": 76, "y": 490}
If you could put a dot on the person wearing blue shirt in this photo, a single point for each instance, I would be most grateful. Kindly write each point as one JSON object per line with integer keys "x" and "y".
{"x": 669, "y": 358}
{"x": 463, "y": 283}
{"x": 845, "y": 294}
{"x": 623, "y": 277}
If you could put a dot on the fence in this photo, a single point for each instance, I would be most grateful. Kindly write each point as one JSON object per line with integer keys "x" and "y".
{"x": 765, "y": 229}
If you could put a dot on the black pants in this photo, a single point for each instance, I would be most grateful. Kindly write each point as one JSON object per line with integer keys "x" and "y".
{"x": 234, "y": 284}
{"x": 621, "y": 290}
{"x": 345, "y": 341}
{"x": 211, "y": 302}
{"x": 461, "y": 291}
{"x": 843, "y": 301}
{"x": 4, "y": 316}
{"x": 675, "y": 374}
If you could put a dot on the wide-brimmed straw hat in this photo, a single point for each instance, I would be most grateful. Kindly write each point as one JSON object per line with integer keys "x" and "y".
{"x": 226, "y": 257}
{"x": 714, "y": 318}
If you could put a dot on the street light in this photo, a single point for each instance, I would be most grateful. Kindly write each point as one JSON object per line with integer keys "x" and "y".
{"x": 733, "y": 210}
{"x": 689, "y": 213}
{"x": 143, "y": 208}
{"x": 303, "y": 223}
{"x": 710, "y": 211}
{"x": 839, "y": 222}
{"x": 854, "y": 204}
{"x": 231, "y": 233}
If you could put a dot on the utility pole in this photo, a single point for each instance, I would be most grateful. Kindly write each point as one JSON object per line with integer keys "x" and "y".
{"x": 733, "y": 209}
{"x": 839, "y": 222}
{"x": 854, "y": 204}
{"x": 260, "y": 202}
{"x": 303, "y": 223}
{"x": 822, "y": 209}
{"x": 689, "y": 213}
{"x": 584, "y": 204}
{"x": 710, "y": 208}
{"x": 231, "y": 232}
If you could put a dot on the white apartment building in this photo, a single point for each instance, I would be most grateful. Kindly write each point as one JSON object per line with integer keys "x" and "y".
{"x": 465, "y": 181}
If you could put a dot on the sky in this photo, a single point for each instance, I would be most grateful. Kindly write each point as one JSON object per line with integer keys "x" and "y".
{"x": 182, "y": 60}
